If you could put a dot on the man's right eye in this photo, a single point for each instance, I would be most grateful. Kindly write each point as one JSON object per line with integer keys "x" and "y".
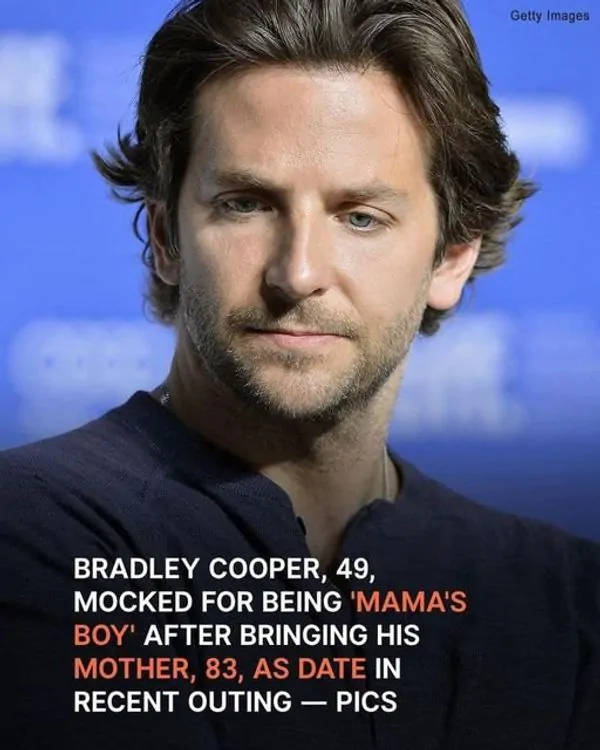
{"x": 242, "y": 206}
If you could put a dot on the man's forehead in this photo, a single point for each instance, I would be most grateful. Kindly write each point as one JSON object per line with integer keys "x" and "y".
{"x": 251, "y": 102}
{"x": 249, "y": 147}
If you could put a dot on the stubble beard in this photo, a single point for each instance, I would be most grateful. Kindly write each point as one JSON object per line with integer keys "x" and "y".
{"x": 216, "y": 346}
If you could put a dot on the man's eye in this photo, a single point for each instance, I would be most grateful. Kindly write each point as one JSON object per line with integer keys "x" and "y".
{"x": 239, "y": 205}
{"x": 374, "y": 221}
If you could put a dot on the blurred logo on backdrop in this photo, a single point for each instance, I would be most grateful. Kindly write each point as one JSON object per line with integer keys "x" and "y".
{"x": 58, "y": 98}
{"x": 498, "y": 376}
{"x": 462, "y": 381}
{"x": 64, "y": 372}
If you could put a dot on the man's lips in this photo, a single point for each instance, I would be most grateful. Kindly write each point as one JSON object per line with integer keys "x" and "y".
{"x": 293, "y": 332}
{"x": 295, "y": 338}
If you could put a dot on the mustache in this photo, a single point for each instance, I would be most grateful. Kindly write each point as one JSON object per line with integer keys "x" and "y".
{"x": 314, "y": 320}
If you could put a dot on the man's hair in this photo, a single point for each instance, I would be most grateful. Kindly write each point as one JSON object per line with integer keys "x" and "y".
{"x": 426, "y": 45}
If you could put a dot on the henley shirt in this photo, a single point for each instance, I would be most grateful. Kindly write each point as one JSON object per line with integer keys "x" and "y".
{"x": 442, "y": 624}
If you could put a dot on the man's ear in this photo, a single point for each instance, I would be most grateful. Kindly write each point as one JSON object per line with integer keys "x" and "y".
{"x": 449, "y": 278}
{"x": 167, "y": 268}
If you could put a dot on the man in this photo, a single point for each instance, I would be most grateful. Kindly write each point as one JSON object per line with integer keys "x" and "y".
{"x": 235, "y": 560}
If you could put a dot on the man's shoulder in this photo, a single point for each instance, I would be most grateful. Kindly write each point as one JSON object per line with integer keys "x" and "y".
{"x": 105, "y": 442}
{"x": 49, "y": 477}
{"x": 521, "y": 565}
{"x": 503, "y": 537}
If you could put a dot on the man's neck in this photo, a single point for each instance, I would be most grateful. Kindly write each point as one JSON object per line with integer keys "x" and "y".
{"x": 328, "y": 474}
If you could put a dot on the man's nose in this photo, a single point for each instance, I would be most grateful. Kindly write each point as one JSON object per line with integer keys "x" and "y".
{"x": 302, "y": 262}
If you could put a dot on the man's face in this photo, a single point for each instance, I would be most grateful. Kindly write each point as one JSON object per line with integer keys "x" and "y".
{"x": 266, "y": 267}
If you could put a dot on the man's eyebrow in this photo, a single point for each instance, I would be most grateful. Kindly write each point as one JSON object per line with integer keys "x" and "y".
{"x": 245, "y": 179}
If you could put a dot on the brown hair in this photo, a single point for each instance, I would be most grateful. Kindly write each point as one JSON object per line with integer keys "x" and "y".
{"x": 426, "y": 45}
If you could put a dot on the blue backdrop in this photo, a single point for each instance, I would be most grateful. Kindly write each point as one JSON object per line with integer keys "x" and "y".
{"x": 503, "y": 404}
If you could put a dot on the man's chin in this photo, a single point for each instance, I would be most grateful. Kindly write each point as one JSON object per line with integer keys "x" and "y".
{"x": 298, "y": 404}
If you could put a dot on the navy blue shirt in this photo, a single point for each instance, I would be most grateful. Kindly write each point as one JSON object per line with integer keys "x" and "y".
{"x": 506, "y": 609}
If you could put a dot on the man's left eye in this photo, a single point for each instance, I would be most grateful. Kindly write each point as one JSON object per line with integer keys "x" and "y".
{"x": 368, "y": 217}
